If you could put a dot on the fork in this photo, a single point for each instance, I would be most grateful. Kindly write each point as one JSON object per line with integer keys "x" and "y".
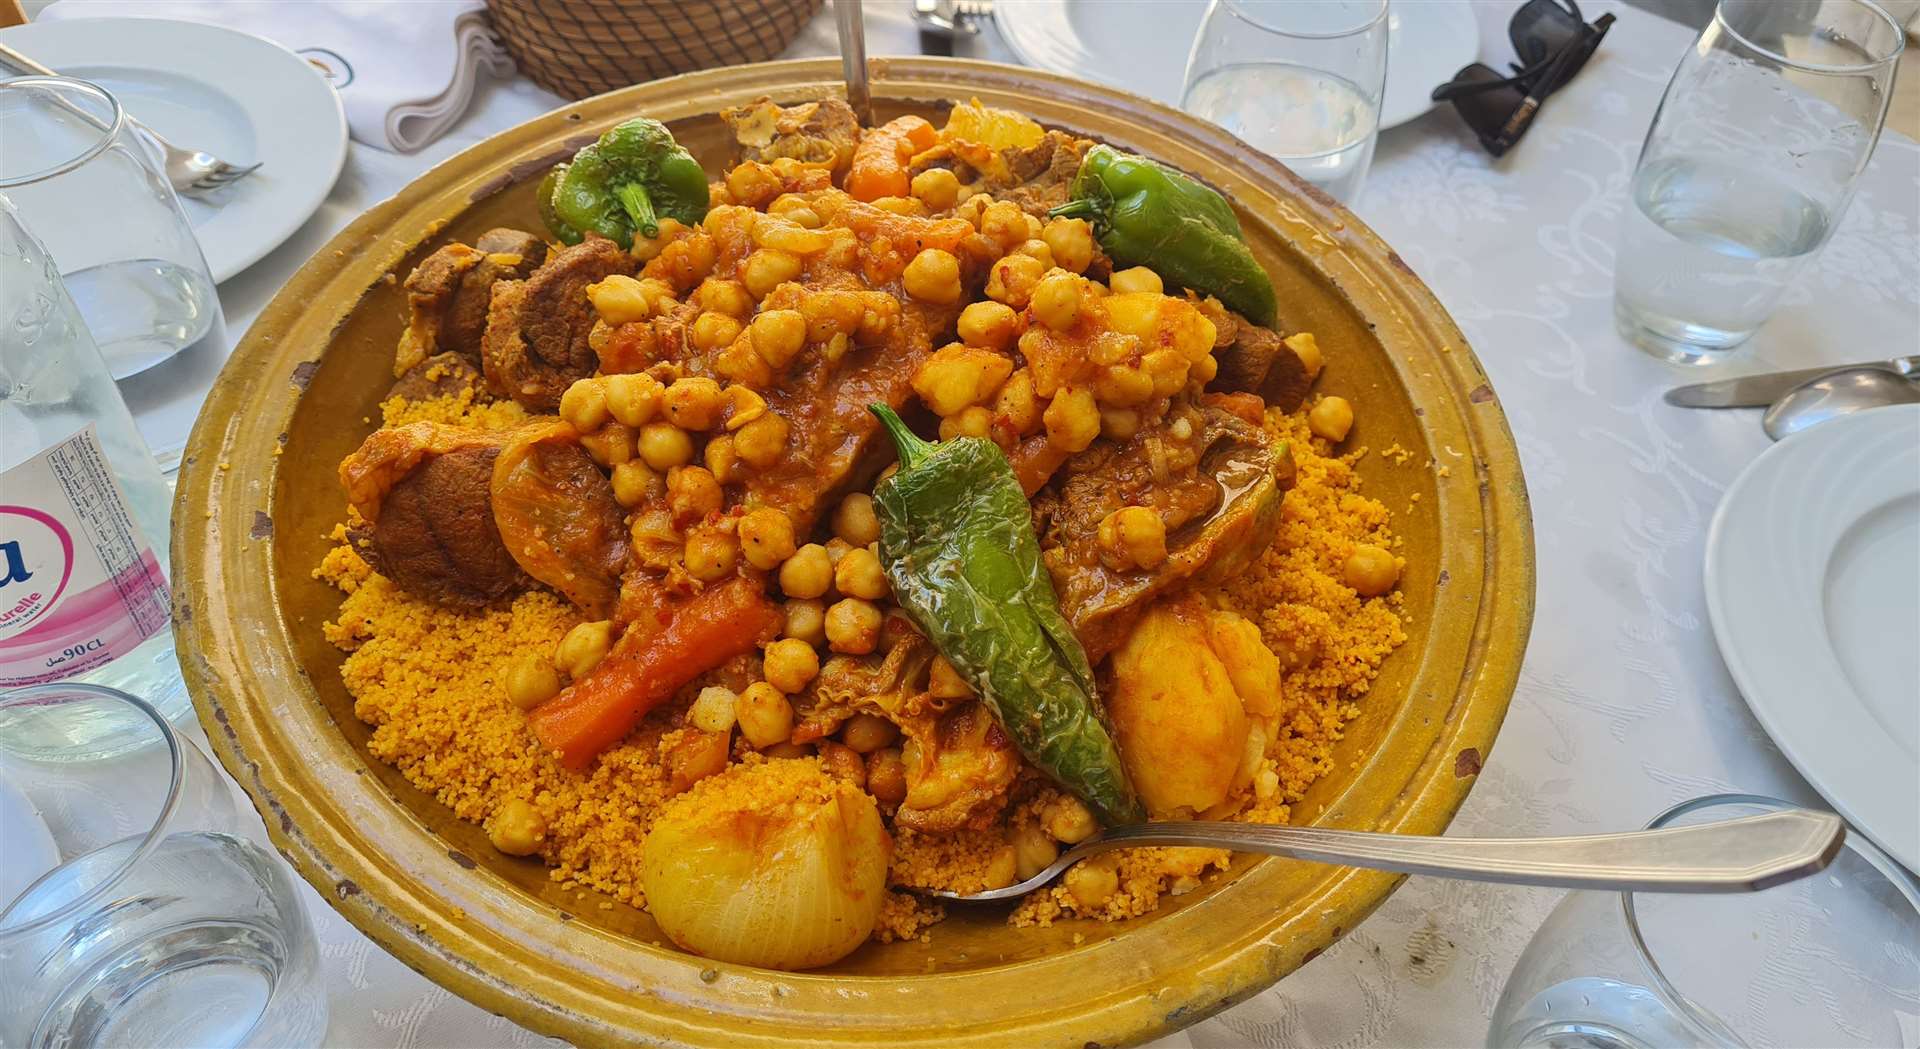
{"x": 193, "y": 172}
{"x": 951, "y": 17}
{"x": 1738, "y": 855}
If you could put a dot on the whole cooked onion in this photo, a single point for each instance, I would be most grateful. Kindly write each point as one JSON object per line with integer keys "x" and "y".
{"x": 774, "y": 864}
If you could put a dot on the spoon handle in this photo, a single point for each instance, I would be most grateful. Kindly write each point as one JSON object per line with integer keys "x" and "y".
{"x": 1737, "y": 855}
{"x": 853, "y": 58}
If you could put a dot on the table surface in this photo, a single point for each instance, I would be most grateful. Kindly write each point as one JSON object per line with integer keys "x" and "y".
{"x": 1623, "y": 705}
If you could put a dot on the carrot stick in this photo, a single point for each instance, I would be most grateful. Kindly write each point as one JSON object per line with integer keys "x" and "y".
{"x": 599, "y": 710}
{"x": 880, "y": 160}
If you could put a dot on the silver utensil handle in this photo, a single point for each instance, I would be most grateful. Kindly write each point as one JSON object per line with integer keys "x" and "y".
{"x": 853, "y": 58}
{"x": 1738, "y": 855}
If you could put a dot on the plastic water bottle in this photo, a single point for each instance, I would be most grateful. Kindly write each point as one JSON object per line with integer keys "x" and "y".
{"x": 84, "y": 594}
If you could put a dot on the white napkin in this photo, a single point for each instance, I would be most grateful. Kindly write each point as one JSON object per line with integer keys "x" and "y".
{"x": 405, "y": 70}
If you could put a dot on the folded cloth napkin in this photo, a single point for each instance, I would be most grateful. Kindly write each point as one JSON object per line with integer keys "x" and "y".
{"x": 405, "y": 70}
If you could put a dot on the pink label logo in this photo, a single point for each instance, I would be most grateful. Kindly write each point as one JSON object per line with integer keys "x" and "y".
{"x": 36, "y": 561}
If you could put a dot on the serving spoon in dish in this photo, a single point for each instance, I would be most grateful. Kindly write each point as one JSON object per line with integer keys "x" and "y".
{"x": 1738, "y": 855}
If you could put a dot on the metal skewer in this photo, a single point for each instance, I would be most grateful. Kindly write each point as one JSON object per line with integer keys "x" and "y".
{"x": 853, "y": 58}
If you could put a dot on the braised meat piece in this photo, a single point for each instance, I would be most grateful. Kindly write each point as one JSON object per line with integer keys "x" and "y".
{"x": 447, "y": 294}
{"x": 1035, "y": 177}
{"x": 557, "y": 515}
{"x": 1256, "y": 360}
{"x": 424, "y": 491}
{"x": 536, "y": 335}
{"x": 441, "y": 375}
{"x": 823, "y": 132}
{"x": 1213, "y": 479}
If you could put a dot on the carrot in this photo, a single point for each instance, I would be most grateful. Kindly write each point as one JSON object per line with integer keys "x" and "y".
{"x": 880, "y": 160}
{"x": 599, "y": 710}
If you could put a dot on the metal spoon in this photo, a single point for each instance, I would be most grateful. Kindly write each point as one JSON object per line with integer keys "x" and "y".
{"x": 1738, "y": 855}
{"x": 853, "y": 58}
{"x": 1834, "y": 394}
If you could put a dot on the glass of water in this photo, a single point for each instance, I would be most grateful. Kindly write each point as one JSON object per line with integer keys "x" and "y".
{"x": 1831, "y": 960}
{"x": 128, "y": 915}
{"x": 1300, "y": 80}
{"x": 1748, "y": 167}
{"x": 92, "y": 189}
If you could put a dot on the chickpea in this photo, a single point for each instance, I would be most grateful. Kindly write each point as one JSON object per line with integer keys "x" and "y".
{"x": 664, "y": 446}
{"x": 1091, "y": 883}
{"x": 767, "y": 269}
{"x": 944, "y": 682}
{"x": 783, "y": 234}
{"x": 790, "y": 664}
{"x": 1016, "y": 406}
{"x": 619, "y": 299}
{"x": 766, "y": 536}
{"x": 1370, "y": 570}
{"x": 1032, "y": 849}
{"x": 1123, "y": 386}
{"x": 1139, "y": 278}
{"x": 957, "y": 377}
{"x": 779, "y": 336}
{"x": 971, "y": 422}
{"x": 806, "y": 620}
{"x": 832, "y": 312}
{"x": 902, "y": 206}
{"x": 937, "y": 188}
{"x": 841, "y": 761}
{"x": 743, "y": 405}
{"x": 1012, "y": 280}
{"x": 722, "y": 461}
{"x": 765, "y": 716}
{"x": 1168, "y": 370}
{"x": 1072, "y": 420}
{"x": 987, "y": 325}
{"x": 584, "y": 405}
{"x": 853, "y": 626}
{"x": 808, "y": 573}
{"x": 887, "y": 776}
{"x": 1119, "y": 424}
{"x": 633, "y": 482}
{"x": 583, "y": 648}
{"x": 933, "y": 276}
{"x": 710, "y": 554}
{"x": 838, "y": 548}
{"x": 532, "y": 681}
{"x": 867, "y": 733}
{"x": 692, "y": 494}
{"x": 1067, "y": 820}
{"x": 516, "y": 828}
{"x": 712, "y": 330}
{"x": 730, "y": 297}
{"x": 1304, "y": 347}
{"x": 713, "y": 709}
{"x": 855, "y": 521}
{"x": 859, "y": 575}
{"x": 1037, "y": 249}
{"x": 763, "y": 441}
{"x": 694, "y": 403}
{"x": 1071, "y": 241}
{"x": 1205, "y": 368}
{"x": 1004, "y": 223}
{"x": 787, "y": 750}
{"x": 632, "y": 399}
{"x": 753, "y": 184}
{"x": 1331, "y": 418}
{"x": 1056, "y": 301}
{"x": 610, "y": 445}
{"x": 1134, "y": 537}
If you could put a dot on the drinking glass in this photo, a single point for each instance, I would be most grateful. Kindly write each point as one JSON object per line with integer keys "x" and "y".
{"x": 1829, "y": 960}
{"x": 1300, "y": 80}
{"x": 92, "y": 188}
{"x": 139, "y": 921}
{"x": 1748, "y": 167}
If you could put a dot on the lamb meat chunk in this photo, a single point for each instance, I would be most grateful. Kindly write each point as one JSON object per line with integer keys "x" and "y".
{"x": 447, "y": 294}
{"x": 424, "y": 492}
{"x": 1256, "y": 360}
{"x": 1218, "y": 491}
{"x": 822, "y": 132}
{"x": 558, "y": 518}
{"x": 441, "y": 375}
{"x": 1035, "y": 177}
{"x": 536, "y": 335}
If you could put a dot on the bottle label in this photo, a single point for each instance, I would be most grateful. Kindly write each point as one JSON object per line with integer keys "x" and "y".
{"x": 80, "y": 585}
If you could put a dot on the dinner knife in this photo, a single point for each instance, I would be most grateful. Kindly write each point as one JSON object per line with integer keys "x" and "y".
{"x": 1758, "y": 391}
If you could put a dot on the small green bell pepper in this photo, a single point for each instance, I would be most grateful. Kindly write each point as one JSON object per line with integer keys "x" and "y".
{"x": 629, "y": 180}
{"x": 1147, "y": 214}
{"x": 956, "y": 538}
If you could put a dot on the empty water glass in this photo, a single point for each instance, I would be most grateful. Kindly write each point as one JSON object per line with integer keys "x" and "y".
{"x": 1830, "y": 960}
{"x": 129, "y": 916}
{"x": 92, "y": 188}
{"x": 1300, "y": 80}
{"x": 1748, "y": 168}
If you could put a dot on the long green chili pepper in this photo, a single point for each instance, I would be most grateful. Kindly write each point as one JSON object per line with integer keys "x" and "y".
{"x": 1147, "y": 214}
{"x": 632, "y": 178}
{"x": 957, "y": 541}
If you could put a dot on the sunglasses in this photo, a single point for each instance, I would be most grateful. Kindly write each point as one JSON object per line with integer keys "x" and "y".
{"x": 1553, "y": 41}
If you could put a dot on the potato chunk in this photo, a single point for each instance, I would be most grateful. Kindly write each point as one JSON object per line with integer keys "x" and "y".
{"x": 1180, "y": 723}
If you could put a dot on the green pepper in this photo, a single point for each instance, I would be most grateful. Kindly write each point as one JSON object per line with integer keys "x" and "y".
{"x": 956, "y": 537}
{"x": 1148, "y": 214}
{"x": 629, "y": 180}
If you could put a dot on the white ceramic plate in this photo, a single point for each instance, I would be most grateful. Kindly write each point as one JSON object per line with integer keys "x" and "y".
{"x": 236, "y": 96}
{"x": 1813, "y": 586}
{"x": 1142, "y": 45}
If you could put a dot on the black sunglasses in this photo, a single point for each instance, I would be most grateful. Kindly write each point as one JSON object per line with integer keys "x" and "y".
{"x": 1553, "y": 42}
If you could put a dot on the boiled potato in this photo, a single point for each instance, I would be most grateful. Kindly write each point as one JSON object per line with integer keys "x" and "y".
{"x": 1180, "y": 724}
{"x": 1253, "y": 668}
{"x": 777, "y": 864}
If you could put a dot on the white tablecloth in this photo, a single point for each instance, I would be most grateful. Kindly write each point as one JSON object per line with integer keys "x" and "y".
{"x": 1623, "y": 705}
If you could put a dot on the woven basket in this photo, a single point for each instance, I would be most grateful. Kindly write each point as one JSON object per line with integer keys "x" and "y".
{"x": 578, "y": 48}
